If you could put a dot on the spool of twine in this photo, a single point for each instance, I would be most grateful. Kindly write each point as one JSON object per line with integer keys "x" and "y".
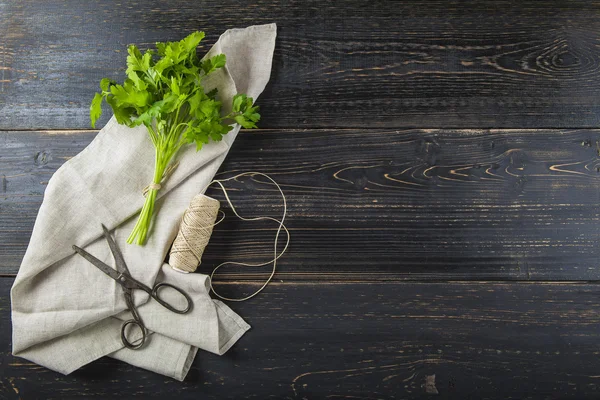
{"x": 196, "y": 227}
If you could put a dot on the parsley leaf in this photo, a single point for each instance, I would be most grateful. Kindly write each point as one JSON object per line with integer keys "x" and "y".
{"x": 96, "y": 108}
{"x": 211, "y": 64}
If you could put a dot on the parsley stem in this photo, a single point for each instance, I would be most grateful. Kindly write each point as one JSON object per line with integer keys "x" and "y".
{"x": 163, "y": 154}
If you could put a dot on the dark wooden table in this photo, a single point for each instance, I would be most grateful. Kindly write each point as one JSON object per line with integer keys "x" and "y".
{"x": 442, "y": 166}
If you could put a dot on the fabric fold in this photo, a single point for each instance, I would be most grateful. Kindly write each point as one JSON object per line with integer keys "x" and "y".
{"x": 65, "y": 312}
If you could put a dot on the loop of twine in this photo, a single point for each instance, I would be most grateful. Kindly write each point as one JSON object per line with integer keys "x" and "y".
{"x": 156, "y": 186}
{"x": 196, "y": 228}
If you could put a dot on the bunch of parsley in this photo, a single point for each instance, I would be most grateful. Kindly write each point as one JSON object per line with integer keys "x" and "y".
{"x": 164, "y": 91}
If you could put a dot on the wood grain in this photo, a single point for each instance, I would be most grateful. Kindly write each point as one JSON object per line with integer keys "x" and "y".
{"x": 353, "y": 63}
{"x": 376, "y": 204}
{"x": 386, "y": 341}
{"x": 430, "y": 255}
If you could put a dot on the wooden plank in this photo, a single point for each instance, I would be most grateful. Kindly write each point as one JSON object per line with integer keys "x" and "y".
{"x": 376, "y": 204}
{"x": 441, "y": 64}
{"x": 356, "y": 340}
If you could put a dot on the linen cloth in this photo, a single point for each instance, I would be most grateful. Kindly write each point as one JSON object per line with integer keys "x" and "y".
{"x": 65, "y": 312}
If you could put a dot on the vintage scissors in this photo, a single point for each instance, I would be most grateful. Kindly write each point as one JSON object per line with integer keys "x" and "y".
{"x": 123, "y": 277}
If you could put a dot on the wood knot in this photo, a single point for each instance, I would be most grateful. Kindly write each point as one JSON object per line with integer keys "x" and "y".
{"x": 428, "y": 150}
{"x": 42, "y": 158}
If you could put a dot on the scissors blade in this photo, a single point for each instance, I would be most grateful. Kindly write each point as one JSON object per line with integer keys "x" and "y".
{"x": 118, "y": 256}
{"x": 113, "y": 273}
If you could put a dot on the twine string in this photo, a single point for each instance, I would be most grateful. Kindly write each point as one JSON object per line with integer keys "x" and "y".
{"x": 157, "y": 186}
{"x": 195, "y": 231}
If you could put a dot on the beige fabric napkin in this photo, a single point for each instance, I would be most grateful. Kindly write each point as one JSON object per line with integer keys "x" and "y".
{"x": 65, "y": 312}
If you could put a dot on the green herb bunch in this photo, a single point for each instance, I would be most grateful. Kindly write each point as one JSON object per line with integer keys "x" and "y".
{"x": 164, "y": 91}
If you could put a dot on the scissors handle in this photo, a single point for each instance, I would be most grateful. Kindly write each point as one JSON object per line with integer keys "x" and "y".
{"x": 156, "y": 296}
{"x": 137, "y": 321}
{"x": 138, "y": 343}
